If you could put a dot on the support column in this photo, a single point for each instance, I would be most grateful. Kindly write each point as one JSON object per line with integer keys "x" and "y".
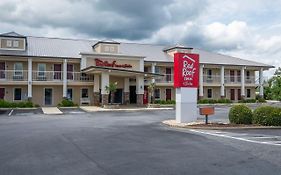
{"x": 153, "y": 71}
{"x": 201, "y": 78}
{"x": 140, "y": 89}
{"x": 261, "y": 83}
{"x": 222, "y": 83}
{"x": 243, "y": 82}
{"x": 64, "y": 88}
{"x": 126, "y": 91}
{"x": 104, "y": 83}
{"x": 29, "y": 77}
{"x": 96, "y": 90}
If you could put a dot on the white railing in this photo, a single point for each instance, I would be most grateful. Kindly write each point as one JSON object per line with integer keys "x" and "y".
{"x": 13, "y": 75}
{"x": 167, "y": 78}
{"x": 211, "y": 79}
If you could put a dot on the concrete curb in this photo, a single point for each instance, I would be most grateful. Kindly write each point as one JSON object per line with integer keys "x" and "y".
{"x": 170, "y": 123}
{"x": 123, "y": 110}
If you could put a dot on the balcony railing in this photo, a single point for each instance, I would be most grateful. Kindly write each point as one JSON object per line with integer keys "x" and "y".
{"x": 12, "y": 75}
{"x": 167, "y": 78}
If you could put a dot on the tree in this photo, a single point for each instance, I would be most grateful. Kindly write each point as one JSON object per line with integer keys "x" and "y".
{"x": 111, "y": 88}
{"x": 273, "y": 91}
{"x": 151, "y": 88}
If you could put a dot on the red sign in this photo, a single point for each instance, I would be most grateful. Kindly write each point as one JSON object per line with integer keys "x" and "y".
{"x": 112, "y": 64}
{"x": 186, "y": 70}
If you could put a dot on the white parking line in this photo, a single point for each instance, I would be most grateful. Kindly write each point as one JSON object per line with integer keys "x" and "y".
{"x": 225, "y": 135}
{"x": 11, "y": 112}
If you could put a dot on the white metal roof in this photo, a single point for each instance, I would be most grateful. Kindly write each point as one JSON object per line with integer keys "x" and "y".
{"x": 71, "y": 48}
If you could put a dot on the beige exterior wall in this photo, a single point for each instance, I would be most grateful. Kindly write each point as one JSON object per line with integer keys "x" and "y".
{"x": 38, "y": 94}
{"x": 119, "y": 80}
{"x": 4, "y": 41}
{"x": 215, "y": 92}
{"x": 76, "y": 93}
{"x": 9, "y": 92}
{"x": 163, "y": 92}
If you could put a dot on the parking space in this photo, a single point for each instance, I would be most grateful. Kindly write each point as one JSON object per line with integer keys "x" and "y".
{"x": 5, "y": 112}
{"x": 26, "y": 112}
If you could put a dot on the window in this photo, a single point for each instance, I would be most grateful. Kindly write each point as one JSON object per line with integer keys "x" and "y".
{"x": 232, "y": 76}
{"x": 17, "y": 94}
{"x": 18, "y": 69}
{"x": 69, "y": 94}
{"x": 248, "y": 93}
{"x": 41, "y": 70}
{"x": 238, "y": 75}
{"x": 15, "y": 43}
{"x": 112, "y": 49}
{"x": 157, "y": 93}
{"x": 209, "y": 74}
{"x": 157, "y": 69}
{"x": 145, "y": 69}
{"x": 84, "y": 93}
{"x": 210, "y": 93}
{"x": 9, "y": 43}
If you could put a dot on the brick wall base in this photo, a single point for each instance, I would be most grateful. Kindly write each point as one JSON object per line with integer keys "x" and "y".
{"x": 126, "y": 98}
{"x": 104, "y": 99}
{"x": 96, "y": 98}
{"x": 140, "y": 99}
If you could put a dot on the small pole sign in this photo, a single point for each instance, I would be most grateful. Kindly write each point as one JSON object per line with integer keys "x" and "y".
{"x": 186, "y": 82}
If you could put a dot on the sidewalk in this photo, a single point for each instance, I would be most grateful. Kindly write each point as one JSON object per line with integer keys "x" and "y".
{"x": 122, "y": 108}
{"x": 51, "y": 110}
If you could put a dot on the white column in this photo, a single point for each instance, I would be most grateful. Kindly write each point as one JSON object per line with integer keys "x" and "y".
{"x": 96, "y": 83}
{"x": 29, "y": 77}
{"x": 140, "y": 84}
{"x": 261, "y": 82}
{"x": 126, "y": 85}
{"x": 104, "y": 82}
{"x": 222, "y": 82}
{"x": 64, "y": 89}
{"x": 243, "y": 82}
{"x": 153, "y": 71}
{"x": 201, "y": 77}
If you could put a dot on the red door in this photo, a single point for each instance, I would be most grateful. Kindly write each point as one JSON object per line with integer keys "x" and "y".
{"x": 2, "y": 70}
{"x": 232, "y": 94}
{"x": 168, "y": 94}
{"x": 145, "y": 96}
{"x": 239, "y": 94}
{"x": 2, "y": 93}
{"x": 70, "y": 71}
{"x": 57, "y": 71}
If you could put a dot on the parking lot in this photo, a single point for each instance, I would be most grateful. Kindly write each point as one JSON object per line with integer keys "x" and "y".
{"x": 135, "y": 142}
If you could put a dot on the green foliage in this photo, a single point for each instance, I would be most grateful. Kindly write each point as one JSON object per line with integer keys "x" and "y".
{"x": 267, "y": 115}
{"x": 66, "y": 103}
{"x": 23, "y": 104}
{"x": 273, "y": 91}
{"x": 112, "y": 87}
{"x": 213, "y": 101}
{"x": 162, "y": 102}
{"x": 240, "y": 114}
{"x": 247, "y": 101}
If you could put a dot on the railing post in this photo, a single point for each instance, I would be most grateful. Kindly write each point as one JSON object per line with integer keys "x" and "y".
{"x": 261, "y": 82}
{"x": 243, "y": 82}
{"x": 29, "y": 79}
{"x": 201, "y": 89}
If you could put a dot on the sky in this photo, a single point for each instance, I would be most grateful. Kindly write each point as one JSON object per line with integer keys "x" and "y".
{"x": 248, "y": 29}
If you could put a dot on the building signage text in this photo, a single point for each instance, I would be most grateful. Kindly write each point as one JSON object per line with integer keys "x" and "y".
{"x": 111, "y": 64}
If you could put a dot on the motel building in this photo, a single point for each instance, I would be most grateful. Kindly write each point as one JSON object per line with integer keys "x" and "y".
{"x": 47, "y": 70}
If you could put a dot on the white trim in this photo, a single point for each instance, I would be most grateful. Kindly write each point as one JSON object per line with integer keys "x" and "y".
{"x": 51, "y": 96}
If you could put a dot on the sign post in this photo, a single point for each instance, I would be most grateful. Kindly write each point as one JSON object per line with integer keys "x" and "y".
{"x": 186, "y": 82}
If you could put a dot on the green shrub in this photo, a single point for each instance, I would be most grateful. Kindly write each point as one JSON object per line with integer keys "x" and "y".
{"x": 213, "y": 101}
{"x": 247, "y": 101}
{"x": 23, "y": 104}
{"x": 66, "y": 103}
{"x": 240, "y": 114}
{"x": 267, "y": 115}
{"x": 261, "y": 100}
{"x": 162, "y": 102}
{"x": 224, "y": 100}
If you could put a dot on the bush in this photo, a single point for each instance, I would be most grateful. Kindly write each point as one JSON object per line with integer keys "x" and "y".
{"x": 240, "y": 114}
{"x": 213, "y": 101}
{"x": 267, "y": 115}
{"x": 66, "y": 103}
{"x": 23, "y": 104}
{"x": 247, "y": 101}
{"x": 162, "y": 102}
{"x": 261, "y": 100}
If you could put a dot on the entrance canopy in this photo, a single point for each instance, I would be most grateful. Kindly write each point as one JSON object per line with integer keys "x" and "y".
{"x": 118, "y": 72}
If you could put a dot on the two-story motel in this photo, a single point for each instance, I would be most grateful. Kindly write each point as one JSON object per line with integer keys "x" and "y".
{"x": 46, "y": 70}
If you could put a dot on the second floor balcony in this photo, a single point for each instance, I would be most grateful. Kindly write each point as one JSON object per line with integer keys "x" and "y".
{"x": 54, "y": 76}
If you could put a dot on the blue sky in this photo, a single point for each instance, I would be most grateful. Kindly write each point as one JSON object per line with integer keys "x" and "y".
{"x": 250, "y": 29}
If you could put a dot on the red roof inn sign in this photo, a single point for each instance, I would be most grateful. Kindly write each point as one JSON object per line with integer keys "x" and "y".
{"x": 186, "y": 70}
{"x": 113, "y": 64}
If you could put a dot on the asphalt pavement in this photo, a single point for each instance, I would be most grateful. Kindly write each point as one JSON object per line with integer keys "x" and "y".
{"x": 124, "y": 143}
